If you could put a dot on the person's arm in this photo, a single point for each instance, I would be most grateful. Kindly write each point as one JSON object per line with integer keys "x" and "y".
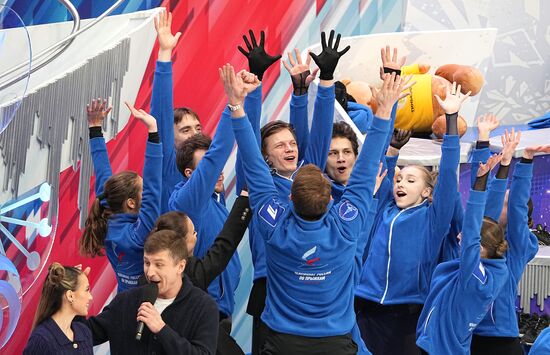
{"x": 152, "y": 180}
{"x": 470, "y": 242}
{"x": 162, "y": 102}
{"x": 204, "y": 339}
{"x": 206, "y": 269}
{"x": 96, "y": 113}
{"x": 194, "y": 195}
{"x": 522, "y": 244}
{"x": 361, "y": 185}
{"x": 447, "y": 181}
{"x": 301, "y": 77}
{"x": 485, "y": 125}
{"x": 107, "y": 322}
{"x": 323, "y": 112}
{"x": 497, "y": 188}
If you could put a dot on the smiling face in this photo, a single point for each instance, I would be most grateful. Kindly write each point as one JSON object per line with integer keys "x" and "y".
{"x": 410, "y": 188}
{"x": 162, "y": 269}
{"x": 281, "y": 151}
{"x": 81, "y": 297}
{"x": 187, "y": 127}
{"x": 341, "y": 159}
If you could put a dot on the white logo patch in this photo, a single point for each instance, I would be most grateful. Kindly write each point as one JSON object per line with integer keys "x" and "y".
{"x": 347, "y": 211}
{"x": 479, "y": 273}
{"x": 271, "y": 212}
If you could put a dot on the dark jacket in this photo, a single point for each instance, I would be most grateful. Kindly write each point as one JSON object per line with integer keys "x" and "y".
{"x": 47, "y": 338}
{"x": 191, "y": 324}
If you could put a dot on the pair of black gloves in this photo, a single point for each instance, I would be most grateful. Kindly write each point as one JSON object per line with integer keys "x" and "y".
{"x": 259, "y": 61}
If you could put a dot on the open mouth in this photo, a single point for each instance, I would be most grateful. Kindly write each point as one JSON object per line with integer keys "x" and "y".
{"x": 290, "y": 158}
{"x": 400, "y": 194}
{"x": 341, "y": 169}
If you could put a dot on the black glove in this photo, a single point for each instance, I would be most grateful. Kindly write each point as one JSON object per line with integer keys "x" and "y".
{"x": 329, "y": 56}
{"x": 400, "y": 137}
{"x": 451, "y": 121}
{"x": 258, "y": 59}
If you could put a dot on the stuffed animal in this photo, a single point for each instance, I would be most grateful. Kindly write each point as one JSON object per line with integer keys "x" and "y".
{"x": 420, "y": 111}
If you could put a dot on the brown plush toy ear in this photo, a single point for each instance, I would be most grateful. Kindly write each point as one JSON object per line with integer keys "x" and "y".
{"x": 360, "y": 91}
{"x": 468, "y": 77}
{"x": 440, "y": 126}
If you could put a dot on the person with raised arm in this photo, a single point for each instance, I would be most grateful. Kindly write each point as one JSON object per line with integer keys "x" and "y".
{"x": 126, "y": 206}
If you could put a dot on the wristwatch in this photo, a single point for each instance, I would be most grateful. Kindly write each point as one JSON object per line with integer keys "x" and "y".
{"x": 233, "y": 108}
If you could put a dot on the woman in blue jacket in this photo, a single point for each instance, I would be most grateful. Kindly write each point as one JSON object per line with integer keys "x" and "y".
{"x": 405, "y": 243}
{"x": 498, "y": 332}
{"x": 462, "y": 290}
{"x": 126, "y": 206}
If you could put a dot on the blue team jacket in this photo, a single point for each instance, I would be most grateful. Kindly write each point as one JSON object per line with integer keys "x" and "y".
{"x": 406, "y": 242}
{"x": 501, "y": 320}
{"x": 126, "y": 233}
{"x": 461, "y": 290}
{"x": 315, "y": 152}
{"x": 542, "y": 344}
{"x": 207, "y": 210}
{"x": 310, "y": 264}
{"x": 162, "y": 108}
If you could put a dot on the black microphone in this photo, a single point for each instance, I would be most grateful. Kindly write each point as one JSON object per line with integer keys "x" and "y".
{"x": 150, "y": 293}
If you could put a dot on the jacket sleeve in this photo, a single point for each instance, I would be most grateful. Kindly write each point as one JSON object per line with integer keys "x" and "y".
{"x": 479, "y": 155}
{"x": 470, "y": 264}
{"x": 193, "y": 197}
{"x": 107, "y": 322}
{"x": 218, "y": 255}
{"x": 523, "y": 245}
{"x": 260, "y": 183}
{"x": 151, "y": 196}
{"x": 205, "y": 337}
{"x": 162, "y": 108}
{"x": 495, "y": 198}
{"x": 444, "y": 191}
{"x": 360, "y": 187}
{"x": 253, "y": 109}
{"x": 299, "y": 120}
{"x": 321, "y": 127}
{"x": 100, "y": 160}
{"x": 385, "y": 192}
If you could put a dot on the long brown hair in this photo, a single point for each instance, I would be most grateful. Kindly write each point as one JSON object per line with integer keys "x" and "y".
{"x": 60, "y": 279}
{"x": 118, "y": 188}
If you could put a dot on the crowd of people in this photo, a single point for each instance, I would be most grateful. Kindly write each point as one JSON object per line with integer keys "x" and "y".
{"x": 350, "y": 254}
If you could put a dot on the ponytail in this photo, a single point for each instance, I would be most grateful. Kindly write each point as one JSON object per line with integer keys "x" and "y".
{"x": 92, "y": 241}
{"x": 118, "y": 188}
{"x": 492, "y": 239}
{"x": 501, "y": 248}
{"x": 59, "y": 280}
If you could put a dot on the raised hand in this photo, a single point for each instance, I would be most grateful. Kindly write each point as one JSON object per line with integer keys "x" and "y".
{"x": 453, "y": 100}
{"x": 509, "y": 144}
{"x": 96, "y": 112}
{"x": 234, "y": 86}
{"x": 400, "y": 137}
{"x": 167, "y": 41}
{"x": 251, "y": 81}
{"x": 485, "y": 125}
{"x": 258, "y": 59}
{"x": 299, "y": 72}
{"x": 529, "y": 152}
{"x": 329, "y": 56}
{"x": 489, "y": 165}
{"x": 393, "y": 89}
{"x": 390, "y": 64}
{"x": 379, "y": 178}
{"x": 144, "y": 117}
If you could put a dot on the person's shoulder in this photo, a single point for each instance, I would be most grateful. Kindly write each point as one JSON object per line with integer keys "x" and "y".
{"x": 40, "y": 342}
{"x": 202, "y": 299}
{"x": 82, "y": 328}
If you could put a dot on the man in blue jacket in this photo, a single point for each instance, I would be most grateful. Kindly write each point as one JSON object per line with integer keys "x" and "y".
{"x": 310, "y": 242}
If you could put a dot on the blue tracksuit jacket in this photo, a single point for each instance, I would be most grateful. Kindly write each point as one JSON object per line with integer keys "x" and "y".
{"x": 461, "y": 290}
{"x": 316, "y": 152}
{"x": 501, "y": 320}
{"x": 406, "y": 242}
{"x": 306, "y": 258}
{"x": 126, "y": 232}
{"x": 542, "y": 344}
{"x": 195, "y": 196}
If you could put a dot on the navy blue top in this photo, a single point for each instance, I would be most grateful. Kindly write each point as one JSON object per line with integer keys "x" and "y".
{"x": 48, "y": 338}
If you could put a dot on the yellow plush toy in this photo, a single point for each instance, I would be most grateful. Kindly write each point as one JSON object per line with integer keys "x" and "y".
{"x": 420, "y": 111}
